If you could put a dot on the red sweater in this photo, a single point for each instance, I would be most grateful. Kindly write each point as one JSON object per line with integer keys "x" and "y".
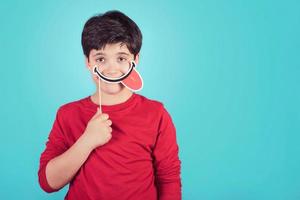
{"x": 139, "y": 162}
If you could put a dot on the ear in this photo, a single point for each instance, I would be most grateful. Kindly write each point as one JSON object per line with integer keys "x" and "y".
{"x": 137, "y": 58}
{"x": 87, "y": 63}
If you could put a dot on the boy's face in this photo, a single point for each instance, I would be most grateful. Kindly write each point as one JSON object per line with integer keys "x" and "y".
{"x": 110, "y": 56}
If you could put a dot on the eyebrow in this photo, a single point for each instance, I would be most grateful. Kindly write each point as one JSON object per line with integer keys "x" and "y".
{"x": 103, "y": 54}
{"x": 99, "y": 54}
{"x": 123, "y": 53}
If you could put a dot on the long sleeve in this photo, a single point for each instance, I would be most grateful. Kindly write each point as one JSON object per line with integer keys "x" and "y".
{"x": 55, "y": 146}
{"x": 166, "y": 160}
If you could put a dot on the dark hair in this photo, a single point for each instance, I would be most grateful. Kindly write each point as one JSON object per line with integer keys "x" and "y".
{"x": 110, "y": 28}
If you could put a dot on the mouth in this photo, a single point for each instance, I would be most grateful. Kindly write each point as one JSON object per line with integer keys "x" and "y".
{"x": 113, "y": 74}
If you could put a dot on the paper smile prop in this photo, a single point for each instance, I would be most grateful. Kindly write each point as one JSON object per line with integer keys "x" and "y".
{"x": 131, "y": 79}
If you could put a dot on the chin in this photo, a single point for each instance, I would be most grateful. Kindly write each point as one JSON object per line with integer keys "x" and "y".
{"x": 112, "y": 88}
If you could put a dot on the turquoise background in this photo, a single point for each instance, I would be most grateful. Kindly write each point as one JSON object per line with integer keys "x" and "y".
{"x": 227, "y": 71}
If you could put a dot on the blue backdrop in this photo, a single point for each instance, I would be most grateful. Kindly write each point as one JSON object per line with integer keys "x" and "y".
{"x": 227, "y": 71}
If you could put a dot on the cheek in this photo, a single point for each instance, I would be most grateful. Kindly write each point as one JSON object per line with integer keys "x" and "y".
{"x": 126, "y": 68}
{"x": 94, "y": 76}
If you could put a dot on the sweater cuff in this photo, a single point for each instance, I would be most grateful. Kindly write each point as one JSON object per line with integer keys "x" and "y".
{"x": 43, "y": 181}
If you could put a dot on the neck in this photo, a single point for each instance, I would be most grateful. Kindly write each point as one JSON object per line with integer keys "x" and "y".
{"x": 112, "y": 99}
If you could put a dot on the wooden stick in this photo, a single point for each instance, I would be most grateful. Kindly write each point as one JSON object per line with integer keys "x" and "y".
{"x": 99, "y": 94}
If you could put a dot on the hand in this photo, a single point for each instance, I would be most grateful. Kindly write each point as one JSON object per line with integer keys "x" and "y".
{"x": 98, "y": 130}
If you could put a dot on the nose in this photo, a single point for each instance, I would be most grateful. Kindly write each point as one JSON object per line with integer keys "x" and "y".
{"x": 110, "y": 66}
{"x": 112, "y": 69}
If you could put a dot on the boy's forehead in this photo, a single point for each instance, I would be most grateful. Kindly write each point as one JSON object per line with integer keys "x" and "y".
{"x": 110, "y": 49}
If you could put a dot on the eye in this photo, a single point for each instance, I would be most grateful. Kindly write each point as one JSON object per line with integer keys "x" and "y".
{"x": 100, "y": 59}
{"x": 122, "y": 59}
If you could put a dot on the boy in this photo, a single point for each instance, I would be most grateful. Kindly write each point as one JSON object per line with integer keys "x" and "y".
{"x": 123, "y": 149}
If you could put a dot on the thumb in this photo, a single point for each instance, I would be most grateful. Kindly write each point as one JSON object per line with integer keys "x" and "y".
{"x": 99, "y": 110}
{"x": 97, "y": 113}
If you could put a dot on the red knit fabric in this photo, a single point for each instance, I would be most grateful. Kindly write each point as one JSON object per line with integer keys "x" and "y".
{"x": 139, "y": 162}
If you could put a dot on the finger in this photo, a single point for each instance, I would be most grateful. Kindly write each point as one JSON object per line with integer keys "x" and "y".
{"x": 109, "y": 129}
{"x": 108, "y": 122}
{"x": 104, "y": 116}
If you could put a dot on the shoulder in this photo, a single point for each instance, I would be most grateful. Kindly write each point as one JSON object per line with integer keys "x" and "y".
{"x": 154, "y": 106}
{"x": 162, "y": 119}
{"x": 151, "y": 104}
{"x": 70, "y": 108}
